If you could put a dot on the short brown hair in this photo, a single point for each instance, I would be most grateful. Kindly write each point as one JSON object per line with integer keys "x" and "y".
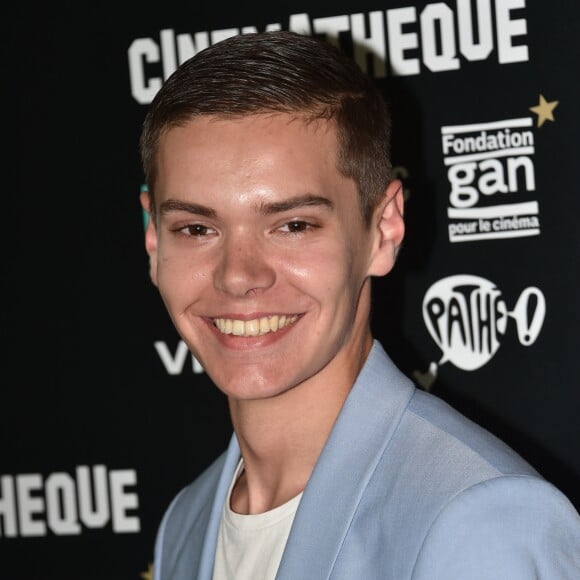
{"x": 280, "y": 72}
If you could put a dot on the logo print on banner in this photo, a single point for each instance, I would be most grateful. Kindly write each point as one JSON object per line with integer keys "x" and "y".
{"x": 399, "y": 41}
{"x": 466, "y": 316}
{"x": 483, "y": 160}
{"x": 33, "y": 505}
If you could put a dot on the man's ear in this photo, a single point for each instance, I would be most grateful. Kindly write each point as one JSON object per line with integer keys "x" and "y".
{"x": 150, "y": 237}
{"x": 388, "y": 230}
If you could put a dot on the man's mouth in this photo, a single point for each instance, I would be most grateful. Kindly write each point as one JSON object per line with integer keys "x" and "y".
{"x": 255, "y": 327}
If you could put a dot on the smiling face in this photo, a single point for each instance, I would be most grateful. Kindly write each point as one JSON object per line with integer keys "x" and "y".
{"x": 261, "y": 255}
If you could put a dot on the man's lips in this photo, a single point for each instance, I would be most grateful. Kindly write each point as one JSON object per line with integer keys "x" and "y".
{"x": 256, "y": 326}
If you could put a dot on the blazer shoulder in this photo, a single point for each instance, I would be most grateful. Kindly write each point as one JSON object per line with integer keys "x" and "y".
{"x": 511, "y": 526}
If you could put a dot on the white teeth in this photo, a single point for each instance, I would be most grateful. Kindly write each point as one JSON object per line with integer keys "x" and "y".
{"x": 264, "y": 325}
{"x": 255, "y": 327}
{"x": 238, "y": 327}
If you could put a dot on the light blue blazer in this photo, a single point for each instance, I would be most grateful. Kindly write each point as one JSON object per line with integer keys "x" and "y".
{"x": 405, "y": 488}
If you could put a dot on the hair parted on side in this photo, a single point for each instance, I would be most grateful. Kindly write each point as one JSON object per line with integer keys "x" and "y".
{"x": 280, "y": 72}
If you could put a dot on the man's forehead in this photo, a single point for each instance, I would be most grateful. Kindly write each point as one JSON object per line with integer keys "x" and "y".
{"x": 230, "y": 154}
{"x": 274, "y": 137}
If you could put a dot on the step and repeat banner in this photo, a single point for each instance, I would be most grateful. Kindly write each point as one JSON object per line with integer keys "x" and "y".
{"x": 105, "y": 415}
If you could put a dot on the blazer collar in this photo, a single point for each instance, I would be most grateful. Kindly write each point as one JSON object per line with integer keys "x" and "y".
{"x": 211, "y": 535}
{"x": 361, "y": 434}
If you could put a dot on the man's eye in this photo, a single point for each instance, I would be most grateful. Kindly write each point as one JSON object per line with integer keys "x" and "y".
{"x": 295, "y": 227}
{"x": 197, "y": 230}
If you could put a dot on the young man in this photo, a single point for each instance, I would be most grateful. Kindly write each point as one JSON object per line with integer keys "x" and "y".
{"x": 271, "y": 208}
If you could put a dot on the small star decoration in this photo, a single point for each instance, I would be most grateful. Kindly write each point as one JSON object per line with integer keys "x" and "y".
{"x": 544, "y": 109}
{"x": 148, "y": 575}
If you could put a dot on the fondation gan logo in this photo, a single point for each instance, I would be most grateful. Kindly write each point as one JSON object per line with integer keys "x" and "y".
{"x": 487, "y": 159}
{"x": 467, "y": 318}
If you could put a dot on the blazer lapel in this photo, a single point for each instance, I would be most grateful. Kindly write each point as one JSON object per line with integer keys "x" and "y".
{"x": 205, "y": 571}
{"x": 359, "y": 438}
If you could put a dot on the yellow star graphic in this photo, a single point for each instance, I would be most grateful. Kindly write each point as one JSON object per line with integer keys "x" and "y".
{"x": 544, "y": 110}
{"x": 149, "y": 574}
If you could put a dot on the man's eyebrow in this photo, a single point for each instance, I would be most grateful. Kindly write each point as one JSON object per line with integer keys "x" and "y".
{"x": 193, "y": 208}
{"x": 299, "y": 201}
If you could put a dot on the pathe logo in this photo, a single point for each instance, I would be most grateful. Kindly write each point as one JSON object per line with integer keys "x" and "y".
{"x": 467, "y": 317}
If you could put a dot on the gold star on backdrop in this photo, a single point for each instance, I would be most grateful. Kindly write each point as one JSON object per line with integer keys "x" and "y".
{"x": 149, "y": 574}
{"x": 544, "y": 109}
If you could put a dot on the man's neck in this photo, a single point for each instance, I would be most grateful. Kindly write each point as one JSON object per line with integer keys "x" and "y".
{"x": 281, "y": 437}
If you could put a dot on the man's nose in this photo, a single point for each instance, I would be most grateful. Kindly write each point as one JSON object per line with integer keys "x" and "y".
{"x": 244, "y": 267}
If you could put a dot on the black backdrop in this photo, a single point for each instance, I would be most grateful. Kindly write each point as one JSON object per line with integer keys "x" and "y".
{"x": 105, "y": 416}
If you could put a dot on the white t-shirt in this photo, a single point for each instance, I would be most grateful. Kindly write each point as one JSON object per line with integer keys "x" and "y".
{"x": 250, "y": 547}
